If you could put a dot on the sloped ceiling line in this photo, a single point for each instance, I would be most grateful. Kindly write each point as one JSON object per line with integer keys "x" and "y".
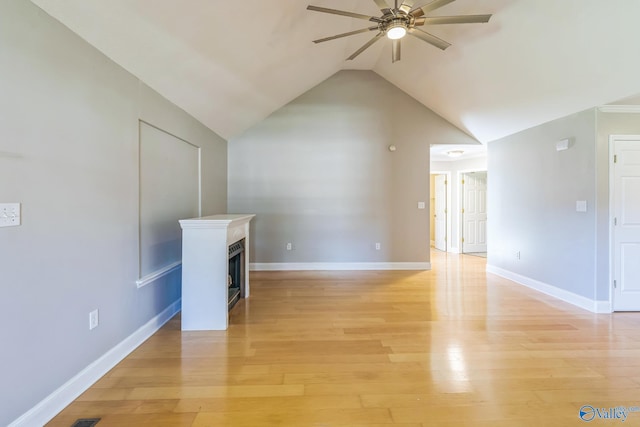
{"x": 535, "y": 61}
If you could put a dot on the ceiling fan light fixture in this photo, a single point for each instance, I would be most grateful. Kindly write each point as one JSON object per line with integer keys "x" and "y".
{"x": 397, "y": 29}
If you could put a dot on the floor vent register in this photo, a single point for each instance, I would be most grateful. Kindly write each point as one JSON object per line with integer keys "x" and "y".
{"x": 86, "y": 422}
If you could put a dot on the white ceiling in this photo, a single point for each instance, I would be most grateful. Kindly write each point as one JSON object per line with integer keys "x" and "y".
{"x": 232, "y": 63}
{"x": 439, "y": 153}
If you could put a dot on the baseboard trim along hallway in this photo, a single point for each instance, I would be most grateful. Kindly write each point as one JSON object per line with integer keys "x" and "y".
{"x": 561, "y": 294}
{"x": 338, "y": 266}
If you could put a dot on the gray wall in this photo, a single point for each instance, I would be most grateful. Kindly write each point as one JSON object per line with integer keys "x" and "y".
{"x": 318, "y": 174}
{"x": 532, "y": 204}
{"x": 69, "y": 154}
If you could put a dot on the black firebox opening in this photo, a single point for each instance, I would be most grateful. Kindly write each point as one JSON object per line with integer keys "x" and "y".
{"x": 236, "y": 273}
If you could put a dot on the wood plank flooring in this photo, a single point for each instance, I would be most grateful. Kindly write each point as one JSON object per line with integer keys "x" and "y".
{"x": 449, "y": 347}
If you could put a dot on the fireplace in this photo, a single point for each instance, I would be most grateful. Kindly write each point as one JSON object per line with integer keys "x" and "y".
{"x": 214, "y": 256}
{"x": 236, "y": 273}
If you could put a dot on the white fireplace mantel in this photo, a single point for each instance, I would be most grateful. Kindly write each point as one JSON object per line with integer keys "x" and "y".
{"x": 205, "y": 268}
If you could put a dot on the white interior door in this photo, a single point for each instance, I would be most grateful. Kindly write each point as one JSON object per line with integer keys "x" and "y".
{"x": 626, "y": 228}
{"x": 474, "y": 213}
{"x": 440, "y": 219}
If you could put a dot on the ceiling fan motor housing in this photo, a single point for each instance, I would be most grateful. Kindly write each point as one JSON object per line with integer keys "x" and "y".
{"x": 395, "y": 28}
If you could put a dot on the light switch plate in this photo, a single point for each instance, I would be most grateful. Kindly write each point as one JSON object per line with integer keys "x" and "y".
{"x": 581, "y": 206}
{"x": 421, "y": 205}
{"x": 9, "y": 214}
{"x": 93, "y": 319}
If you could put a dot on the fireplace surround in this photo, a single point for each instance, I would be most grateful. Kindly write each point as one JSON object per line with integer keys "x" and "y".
{"x": 214, "y": 256}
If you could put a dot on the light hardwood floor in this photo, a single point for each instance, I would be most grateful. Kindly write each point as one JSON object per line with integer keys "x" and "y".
{"x": 449, "y": 347}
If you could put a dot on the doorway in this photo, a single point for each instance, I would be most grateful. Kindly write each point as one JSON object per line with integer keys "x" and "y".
{"x": 440, "y": 210}
{"x": 474, "y": 213}
{"x": 625, "y": 221}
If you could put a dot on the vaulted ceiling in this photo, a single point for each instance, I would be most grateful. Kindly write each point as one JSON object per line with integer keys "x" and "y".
{"x": 232, "y": 63}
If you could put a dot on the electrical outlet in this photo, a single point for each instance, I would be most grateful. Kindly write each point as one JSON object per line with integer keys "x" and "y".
{"x": 93, "y": 319}
{"x": 377, "y": 246}
{"x": 289, "y": 246}
{"x": 518, "y": 255}
{"x": 9, "y": 214}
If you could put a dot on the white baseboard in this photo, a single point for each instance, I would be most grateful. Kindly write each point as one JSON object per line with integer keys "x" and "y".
{"x": 593, "y": 306}
{"x": 603, "y": 307}
{"x": 51, "y": 405}
{"x": 339, "y": 266}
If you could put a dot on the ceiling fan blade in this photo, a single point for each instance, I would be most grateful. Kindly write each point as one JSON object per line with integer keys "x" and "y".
{"x": 406, "y": 6}
{"x": 396, "y": 48}
{"x": 366, "y": 45}
{"x": 429, "y": 38}
{"x": 462, "y": 19}
{"x": 344, "y": 13}
{"x": 422, "y": 10}
{"x": 419, "y": 21}
{"x": 382, "y": 5}
{"x": 350, "y": 33}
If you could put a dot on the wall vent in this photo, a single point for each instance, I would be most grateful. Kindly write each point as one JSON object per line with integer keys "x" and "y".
{"x": 236, "y": 248}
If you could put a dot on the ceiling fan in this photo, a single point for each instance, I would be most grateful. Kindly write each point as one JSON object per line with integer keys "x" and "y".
{"x": 399, "y": 21}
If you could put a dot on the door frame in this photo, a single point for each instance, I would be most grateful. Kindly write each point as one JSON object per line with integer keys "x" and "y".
{"x": 448, "y": 190}
{"x": 612, "y": 141}
{"x": 460, "y": 176}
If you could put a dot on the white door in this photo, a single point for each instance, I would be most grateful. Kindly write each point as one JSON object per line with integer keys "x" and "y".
{"x": 626, "y": 228}
{"x": 474, "y": 213}
{"x": 440, "y": 219}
